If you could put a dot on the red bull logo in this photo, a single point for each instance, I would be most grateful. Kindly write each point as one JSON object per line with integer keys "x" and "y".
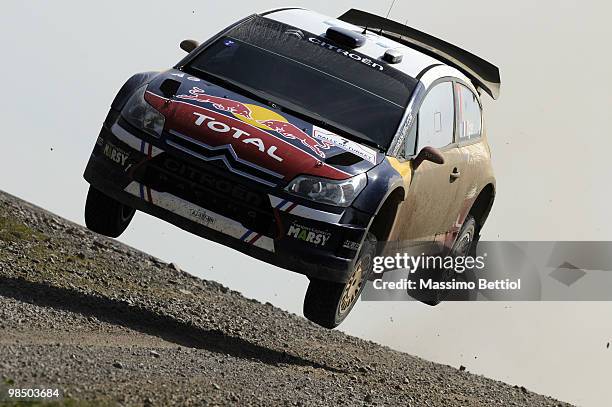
{"x": 219, "y": 103}
{"x": 292, "y": 132}
{"x": 260, "y": 117}
{"x": 261, "y": 140}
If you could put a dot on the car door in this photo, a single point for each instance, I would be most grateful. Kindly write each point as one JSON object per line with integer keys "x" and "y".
{"x": 430, "y": 207}
{"x": 475, "y": 153}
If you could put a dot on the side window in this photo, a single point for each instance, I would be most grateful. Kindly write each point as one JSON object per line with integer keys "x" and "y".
{"x": 470, "y": 126}
{"x": 436, "y": 122}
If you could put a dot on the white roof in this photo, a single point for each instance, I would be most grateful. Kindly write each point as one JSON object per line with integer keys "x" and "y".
{"x": 412, "y": 64}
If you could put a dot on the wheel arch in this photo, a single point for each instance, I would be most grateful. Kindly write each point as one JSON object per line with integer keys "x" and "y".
{"x": 383, "y": 220}
{"x": 482, "y": 205}
{"x": 128, "y": 88}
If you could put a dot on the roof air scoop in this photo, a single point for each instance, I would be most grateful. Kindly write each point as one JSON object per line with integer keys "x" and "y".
{"x": 348, "y": 38}
{"x": 393, "y": 56}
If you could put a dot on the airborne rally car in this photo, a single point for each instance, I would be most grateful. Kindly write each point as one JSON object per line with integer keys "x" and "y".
{"x": 304, "y": 140}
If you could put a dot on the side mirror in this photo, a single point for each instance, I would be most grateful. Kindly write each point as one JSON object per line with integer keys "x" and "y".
{"x": 189, "y": 45}
{"x": 428, "y": 154}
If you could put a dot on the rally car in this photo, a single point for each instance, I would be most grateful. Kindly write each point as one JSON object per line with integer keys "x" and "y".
{"x": 304, "y": 141}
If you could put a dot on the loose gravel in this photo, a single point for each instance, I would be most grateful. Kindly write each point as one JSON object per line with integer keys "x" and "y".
{"x": 109, "y": 325}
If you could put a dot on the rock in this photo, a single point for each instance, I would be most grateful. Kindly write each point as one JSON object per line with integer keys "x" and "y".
{"x": 118, "y": 365}
{"x": 216, "y": 386}
{"x": 462, "y": 368}
{"x": 154, "y": 354}
{"x": 175, "y": 267}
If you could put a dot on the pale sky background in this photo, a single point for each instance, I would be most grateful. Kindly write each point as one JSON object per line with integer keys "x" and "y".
{"x": 63, "y": 61}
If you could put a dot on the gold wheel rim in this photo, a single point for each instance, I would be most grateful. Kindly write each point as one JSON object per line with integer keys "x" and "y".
{"x": 353, "y": 287}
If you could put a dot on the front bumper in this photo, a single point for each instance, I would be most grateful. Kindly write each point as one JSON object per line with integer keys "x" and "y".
{"x": 200, "y": 194}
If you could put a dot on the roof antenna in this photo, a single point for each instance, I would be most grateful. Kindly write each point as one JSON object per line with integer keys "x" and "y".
{"x": 387, "y": 17}
{"x": 390, "y": 8}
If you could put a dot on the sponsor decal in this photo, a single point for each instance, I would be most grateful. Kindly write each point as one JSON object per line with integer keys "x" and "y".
{"x": 249, "y": 138}
{"x": 236, "y": 133}
{"x": 191, "y": 78}
{"x": 219, "y": 103}
{"x": 349, "y": 244}
{"x": 204, "y": 217}
{"x": 359, "y": 150}
{"x": 259, "y": 117}
{"x": 225, "y": 187}
{"x": 346, "y": 53}
{"x": 309, "y": 235}
{"x": 403, "y": 133}
{"x": 291, "y": 132}
{"x": 115, "y": 154}
{"x": 399, "y": 144}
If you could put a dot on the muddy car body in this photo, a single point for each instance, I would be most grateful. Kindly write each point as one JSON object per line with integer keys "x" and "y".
{"x": 303, "y": 141}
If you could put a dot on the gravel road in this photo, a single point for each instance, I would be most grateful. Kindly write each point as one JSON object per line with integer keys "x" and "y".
{"x": 109, "y": 325}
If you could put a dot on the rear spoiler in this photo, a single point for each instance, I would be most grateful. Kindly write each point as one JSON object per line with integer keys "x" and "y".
{"x": 484, "y": 74}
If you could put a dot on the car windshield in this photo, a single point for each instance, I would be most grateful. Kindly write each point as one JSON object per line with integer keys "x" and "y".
{"x": 343, "y": 89}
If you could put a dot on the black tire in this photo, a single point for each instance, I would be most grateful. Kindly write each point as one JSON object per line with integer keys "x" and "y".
{"x": 465, "y": 245}
{"x": 106, "y": 216}
{"x": 328, "y": 303}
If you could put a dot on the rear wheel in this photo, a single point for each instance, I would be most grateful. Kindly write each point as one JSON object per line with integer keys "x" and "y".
{"x": 105, "y": 215}
{"x": 328, "y": 303}
{"x": 465, "y": 245}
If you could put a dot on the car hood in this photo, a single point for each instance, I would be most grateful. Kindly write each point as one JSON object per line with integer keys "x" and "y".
{"x": 225, "y": 125}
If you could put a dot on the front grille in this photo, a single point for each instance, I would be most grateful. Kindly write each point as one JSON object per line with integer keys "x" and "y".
{"x": 206, "y": 186}
{"x": 223, "y": 157}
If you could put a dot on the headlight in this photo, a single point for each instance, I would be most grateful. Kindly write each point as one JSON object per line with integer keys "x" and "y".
{"x": 332, "y": 192}
{"x": 142, "y": 115}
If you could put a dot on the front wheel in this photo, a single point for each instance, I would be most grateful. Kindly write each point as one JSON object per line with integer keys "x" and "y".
{"x": 328, "y": 303}
{"x": 106, "y": 216}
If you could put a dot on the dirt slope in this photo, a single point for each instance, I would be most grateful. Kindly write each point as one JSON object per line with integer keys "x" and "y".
{"x": 107, "y": 324}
